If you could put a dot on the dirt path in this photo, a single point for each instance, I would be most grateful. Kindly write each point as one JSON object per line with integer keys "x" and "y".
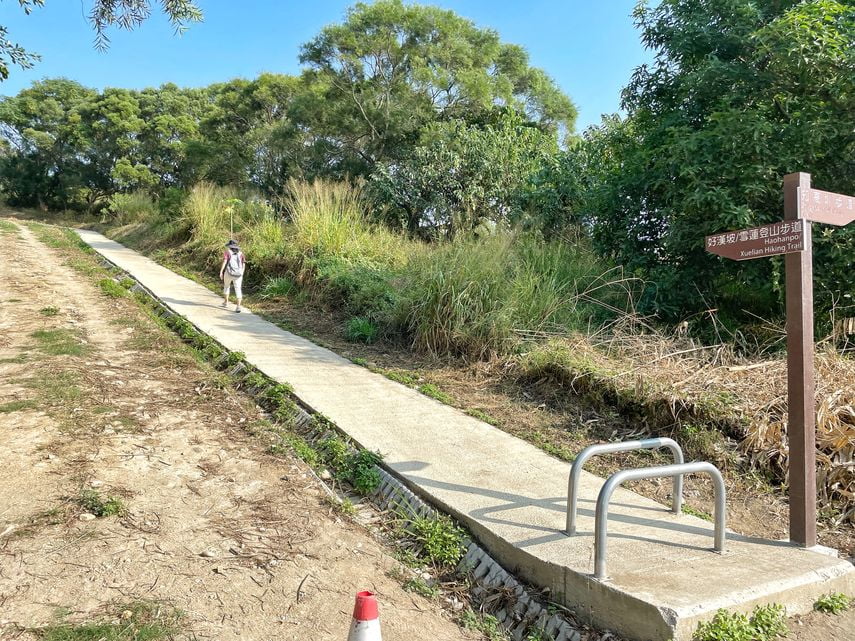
{"x": 101, "y": 410}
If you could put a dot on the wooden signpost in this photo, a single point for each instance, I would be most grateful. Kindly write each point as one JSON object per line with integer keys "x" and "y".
{"x": 792, "y": 236}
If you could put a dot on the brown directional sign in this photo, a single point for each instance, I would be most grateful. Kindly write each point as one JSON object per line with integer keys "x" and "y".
{"x": 825, "y": 207}
{"x": 785, "y": 237}
{"x": 802, "y": 206}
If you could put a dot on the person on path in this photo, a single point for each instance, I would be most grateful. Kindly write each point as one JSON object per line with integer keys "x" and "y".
{"x": 231, "y": 273}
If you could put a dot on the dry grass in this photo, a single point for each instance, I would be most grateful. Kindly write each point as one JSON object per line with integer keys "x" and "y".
{"x": 672, "y": 384}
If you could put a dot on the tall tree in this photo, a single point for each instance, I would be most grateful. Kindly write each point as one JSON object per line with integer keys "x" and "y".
{"x": 463, "y": 176}
{"x": 42, "y": 125}
{"x": 741, "y": 93}
{"x": 391, "y": 68}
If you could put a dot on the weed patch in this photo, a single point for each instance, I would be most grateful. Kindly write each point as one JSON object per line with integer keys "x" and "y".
{"x": 437, "y": 541}
{"x": 429, "y": 389}
{"x": 139, "y": 621}
{"x": 765, "y": 623}
{"x": 486, "y": 624}
{"x": 111, "y": 288}
{"x": 49, "y": 311}
{"x": 361, "y": 330}
{"x": 481, "y": 415}
{"x": 278, "y": 287}
{"x": 833, "y": 603}
{"x": 56, "y": 388}
{"x": 358, "y": 467}
{"x": 93, "y": 502}
{"x": 17, "y": 406}
{"x": 60, "y": 342}
{"x": 418, "y": 585}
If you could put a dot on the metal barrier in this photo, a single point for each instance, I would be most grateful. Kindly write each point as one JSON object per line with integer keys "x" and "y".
{"x": 608, "y": 448}
{"x": 600, "y": 533}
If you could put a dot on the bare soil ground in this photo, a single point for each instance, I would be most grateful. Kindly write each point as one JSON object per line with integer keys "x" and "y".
{"x": 98, "y": 403}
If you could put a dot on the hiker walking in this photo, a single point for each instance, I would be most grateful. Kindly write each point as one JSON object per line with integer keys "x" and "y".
{"x": 231, "y": 272}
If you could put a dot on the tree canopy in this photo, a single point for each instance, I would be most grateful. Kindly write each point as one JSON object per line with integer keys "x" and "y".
{"x": 740, "y": 94}
{"x": 392, "y": 68}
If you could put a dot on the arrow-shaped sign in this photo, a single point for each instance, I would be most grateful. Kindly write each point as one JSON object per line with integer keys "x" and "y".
{"x": 826, "y": 207}
{"x": 757, "y": 242}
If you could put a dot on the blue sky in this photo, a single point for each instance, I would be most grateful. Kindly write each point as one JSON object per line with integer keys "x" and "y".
{"x": 589, "y": 48}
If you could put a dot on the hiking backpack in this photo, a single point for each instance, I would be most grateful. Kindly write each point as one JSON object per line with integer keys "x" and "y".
{"x": 235, "y": 264}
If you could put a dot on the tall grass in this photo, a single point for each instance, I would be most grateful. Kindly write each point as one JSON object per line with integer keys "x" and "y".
{"x": 208, "y": 212}
{"x": 329, "y": 220}
{"x": 468, "y": 296}
{"x": 134, "y": 207}
{"x": 486, "y": 295}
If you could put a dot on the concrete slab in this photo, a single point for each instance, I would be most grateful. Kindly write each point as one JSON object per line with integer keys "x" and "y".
{"x": 664, "y": 576}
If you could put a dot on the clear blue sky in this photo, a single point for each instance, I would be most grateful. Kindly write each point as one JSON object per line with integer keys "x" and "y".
{"x": 589, "y": 48}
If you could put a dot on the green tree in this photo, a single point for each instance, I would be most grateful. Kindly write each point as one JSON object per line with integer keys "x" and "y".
{"x": 124, "y": 14}
{"x": 171, "y": 127}
{"x": 392, "y": 68}
{"x": 461, "y": 176}
{"x": 741, "y": 93}
{"x": 42, "y": 126}
{"x": 251, "y": 136}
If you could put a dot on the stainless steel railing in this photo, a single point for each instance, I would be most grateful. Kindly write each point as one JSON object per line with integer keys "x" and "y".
{"x": 608, "y": 448}
{"x": 675, "y": 471}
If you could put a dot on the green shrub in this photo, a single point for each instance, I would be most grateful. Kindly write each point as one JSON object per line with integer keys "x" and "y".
{"x": 363, "y": 472}
{"x": 278, "y": 393}
{"x": 133, "y": 207}
{"x": 277, "y": 287}
{"x": 441, "y": 541}
{"x": 833, "y": 603}
{"x": 233, "y": 358}
{"x": 171, "y": 203}
{"x": 766, "y": 623}
{"x": 112, "y": 288}
{"x": 336, "y": 453}
{"x": 255, "y": 380}
{"x": 361, "y": 330}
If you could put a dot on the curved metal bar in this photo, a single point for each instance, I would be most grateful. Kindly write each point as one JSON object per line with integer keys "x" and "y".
{"x": 608, "y": 448}
{"x": 600, "y": 528}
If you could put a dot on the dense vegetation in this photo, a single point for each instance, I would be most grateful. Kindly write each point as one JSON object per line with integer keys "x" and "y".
{"x": 462, "y": 169}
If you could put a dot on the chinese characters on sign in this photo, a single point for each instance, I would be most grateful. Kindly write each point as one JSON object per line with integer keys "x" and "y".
{"x": 802, "y": 206}
{"x": 757, "y": 242}
{"x": 826, "y": 207}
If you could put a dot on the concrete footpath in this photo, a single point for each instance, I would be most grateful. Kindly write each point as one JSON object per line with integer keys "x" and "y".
{"x": 663, "y": 575}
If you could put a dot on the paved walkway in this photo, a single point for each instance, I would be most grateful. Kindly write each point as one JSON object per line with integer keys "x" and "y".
{"x": 511, "y": 495}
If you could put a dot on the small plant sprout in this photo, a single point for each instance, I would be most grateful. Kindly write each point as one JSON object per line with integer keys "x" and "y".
{"x": 833, "y": 603}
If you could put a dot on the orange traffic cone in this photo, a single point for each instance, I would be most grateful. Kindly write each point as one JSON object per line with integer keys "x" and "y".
{"x": 366, "y": 619}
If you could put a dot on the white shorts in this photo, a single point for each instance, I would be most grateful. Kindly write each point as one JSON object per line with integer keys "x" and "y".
{"x": 229, "y": 280}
